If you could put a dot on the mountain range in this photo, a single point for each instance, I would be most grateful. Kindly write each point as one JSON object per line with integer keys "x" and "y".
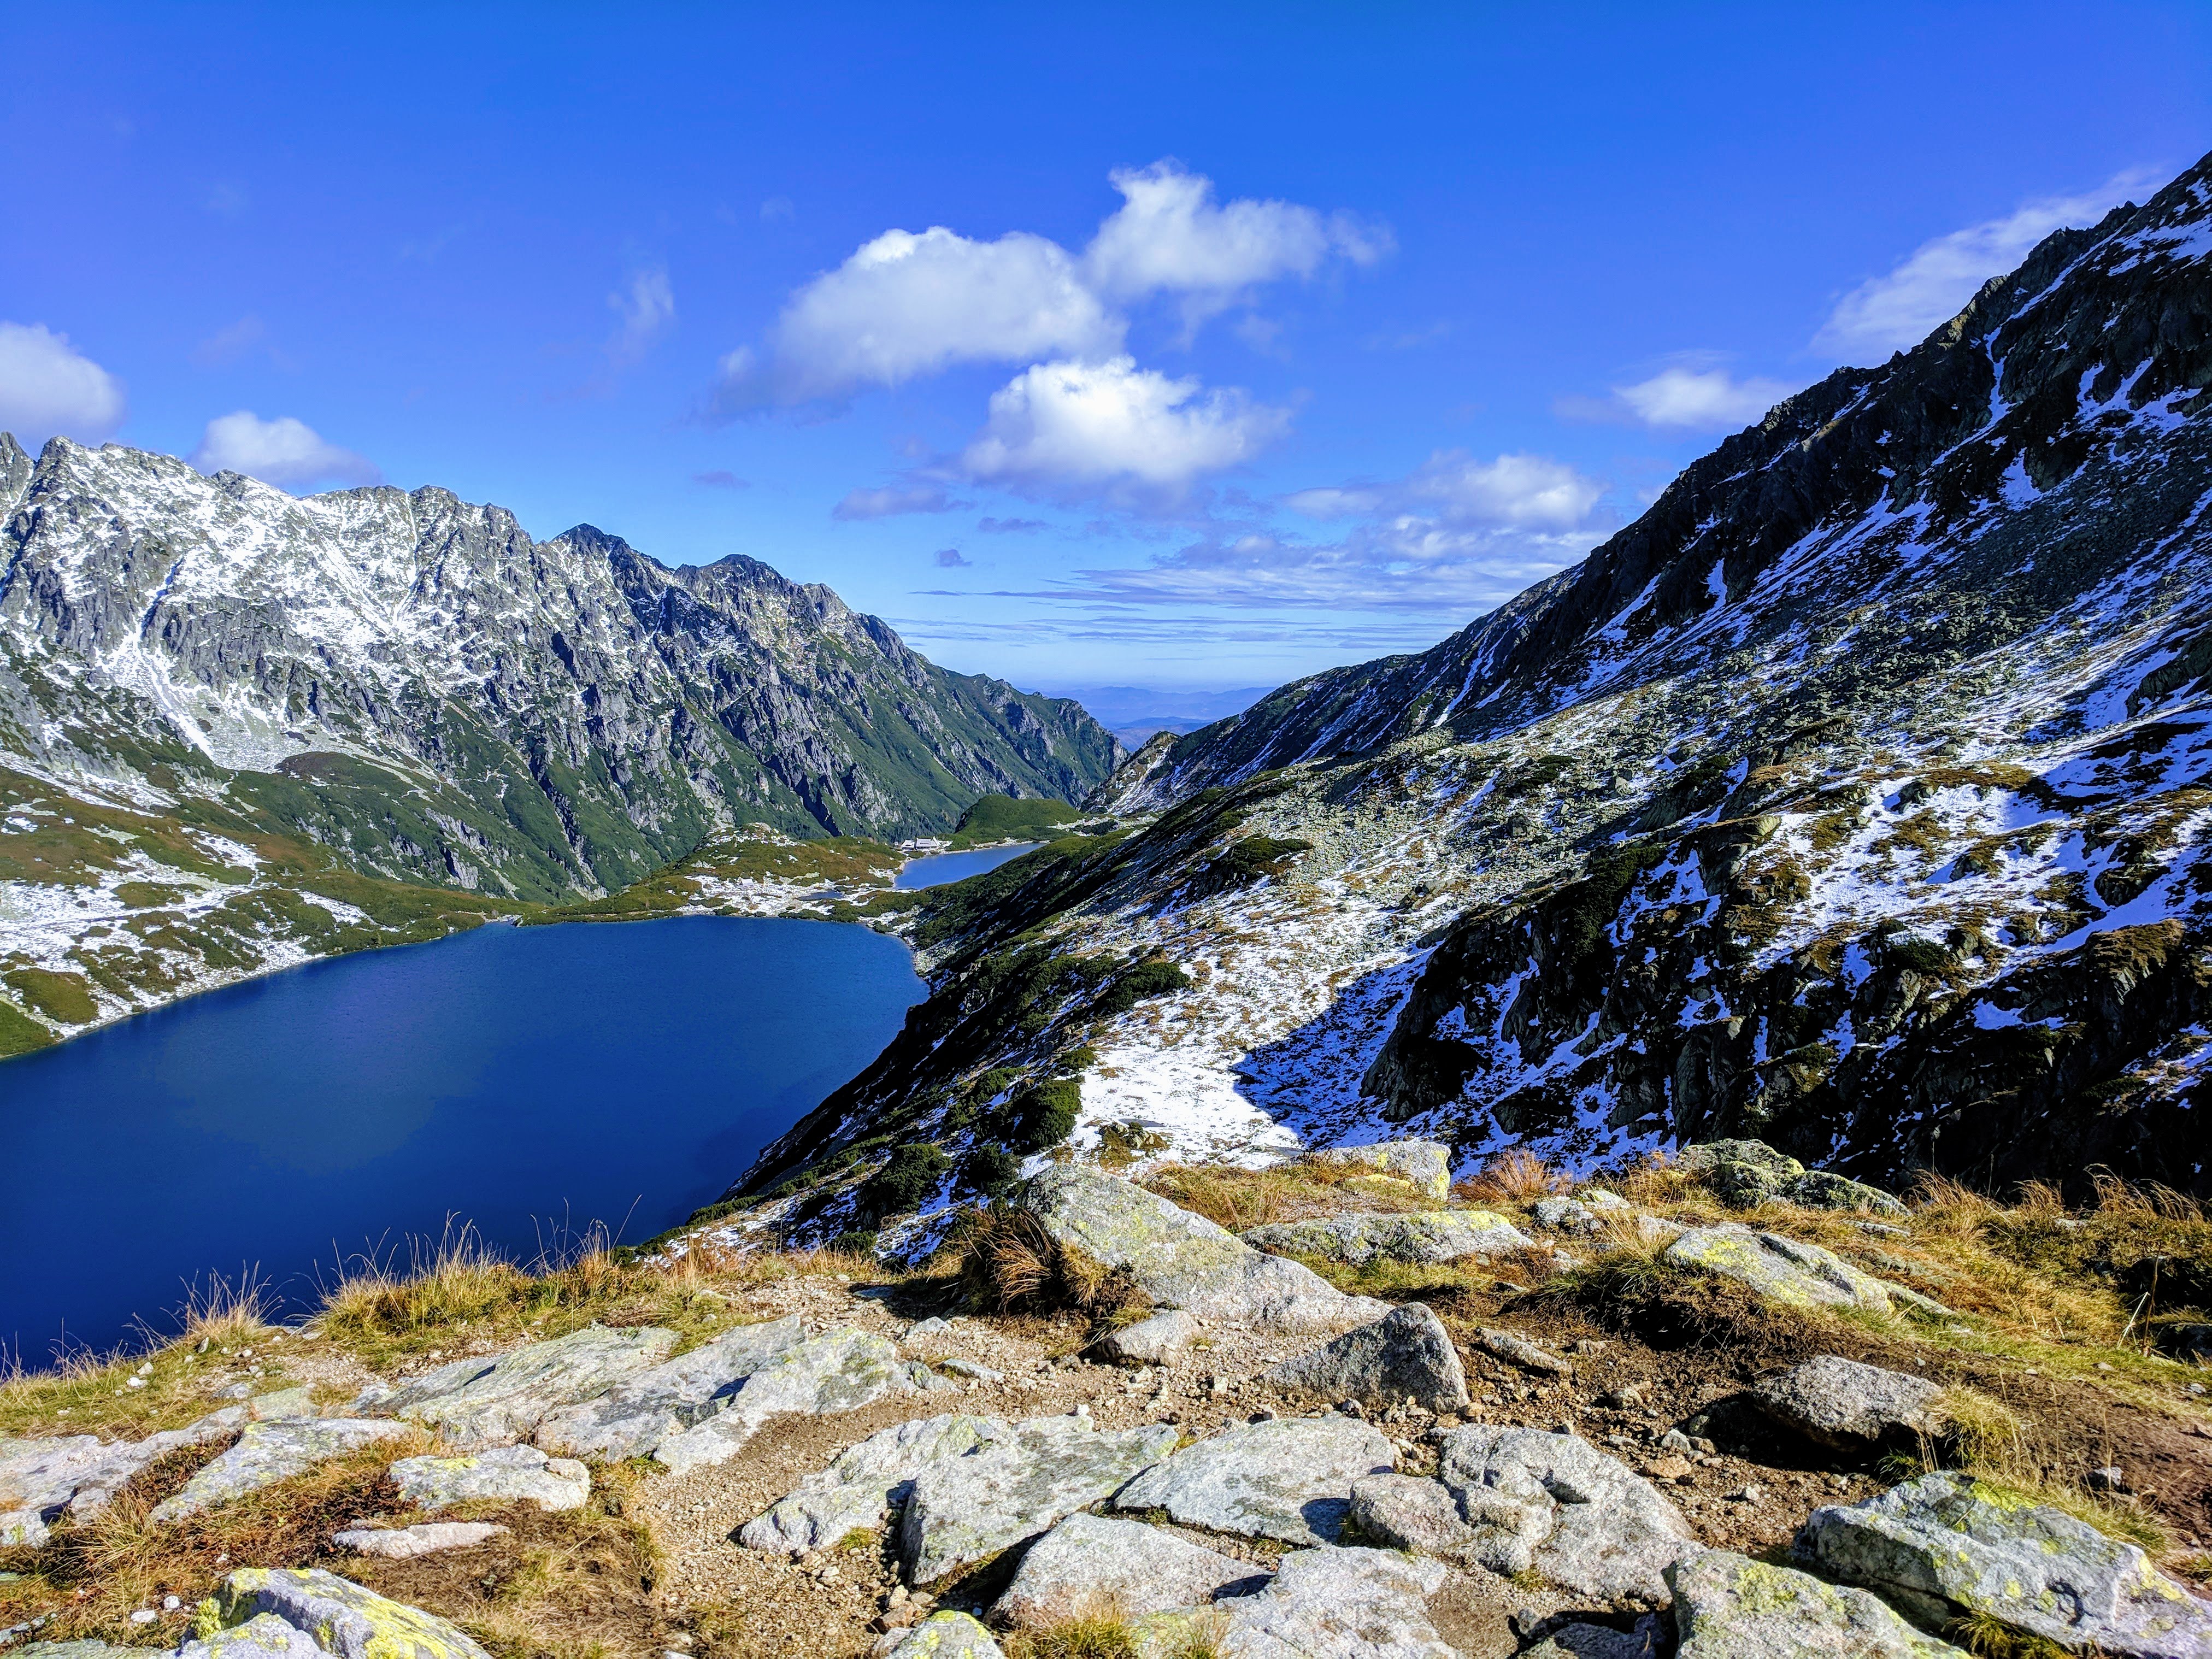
{"x": 239, "y": 728}
{"x": 1854, "y": 798}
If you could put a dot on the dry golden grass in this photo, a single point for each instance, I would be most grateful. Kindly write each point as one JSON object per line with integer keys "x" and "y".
{"x": 99, "y": 1570}
{"x": 1515, "y": 1175}
{"x": 1009, "y": 1263}
{"x": 1296, "y": 1190}
{"x": 86, "y": 1393}
{"x": 458, "y": 1286}
{"x": 1097, "y": 1631}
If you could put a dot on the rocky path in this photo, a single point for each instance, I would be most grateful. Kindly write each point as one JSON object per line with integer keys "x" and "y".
{"x": 1263, "y": 1466}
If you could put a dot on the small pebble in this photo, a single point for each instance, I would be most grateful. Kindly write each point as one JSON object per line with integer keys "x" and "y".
{"x": 144, "y": 1616}
{"x": 171, "y": 1603}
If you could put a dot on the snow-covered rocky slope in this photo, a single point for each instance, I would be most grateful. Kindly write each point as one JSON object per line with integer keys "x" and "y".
{"x": 1854, "y": 798}
{"x": 238, "y": 729}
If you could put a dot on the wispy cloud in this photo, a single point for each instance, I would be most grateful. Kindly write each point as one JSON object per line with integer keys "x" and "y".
{"x": 235, "y": 340}
{"x": 1932, "y": 284}
{"x": 896, "y": 499}
{"x": 950, "y": 558}
{"x": 721, "y": 479}
{"x": 1092, "y": 622}
{"x": 645, "y": 309}
{"x": 1010, "y": 526}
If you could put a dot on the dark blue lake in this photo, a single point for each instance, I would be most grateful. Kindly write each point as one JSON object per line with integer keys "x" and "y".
{"x": 525, "y": 1079}
{"x": 939, "y": 868}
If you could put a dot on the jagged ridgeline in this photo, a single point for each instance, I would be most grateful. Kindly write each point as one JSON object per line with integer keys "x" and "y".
{"x": 376, "y": 714}
{"x": 1854, "y": 799}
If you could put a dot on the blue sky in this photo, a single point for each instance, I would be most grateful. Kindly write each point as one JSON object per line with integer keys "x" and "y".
{"x": 1168, "y": 346}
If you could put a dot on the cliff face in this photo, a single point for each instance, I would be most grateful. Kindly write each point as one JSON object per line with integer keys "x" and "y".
{"x": 1854, "y": 797}
{"x": 406, "y": 687}
{"x": 634, "y": 704}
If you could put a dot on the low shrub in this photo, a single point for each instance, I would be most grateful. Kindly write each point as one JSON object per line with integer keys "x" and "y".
{"x": 991, "y": 1169}
{"x": 906, "y": 1180}
{"x": 1041, "y": 1114}
{"x": 1146, "y": 979}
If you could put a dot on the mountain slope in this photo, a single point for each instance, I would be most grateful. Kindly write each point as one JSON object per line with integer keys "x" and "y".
{"x": 1854, "y": 796}
{"x": 404, "y": 687}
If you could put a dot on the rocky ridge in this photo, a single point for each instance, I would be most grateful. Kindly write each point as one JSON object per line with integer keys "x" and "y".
{"x": 239, "y": 729}
{"x": 1853, "y": 799}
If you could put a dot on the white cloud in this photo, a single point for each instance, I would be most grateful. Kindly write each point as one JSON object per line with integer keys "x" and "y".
{"x": 1700, "y": 400}
{"x": 1168, "y": 236}
{"x": 47, "y": 385}
{"x": 284, "y": 452}
{"x": 1457, "y": 533}
{"x": 644, "y": 310}
{"x": 1059, "y": 428}
{"x": 1931, "y": 286}
{"x": 895, "y": 500}
{"x": 907, "y": 305}
{"x": 1523, "y": 492}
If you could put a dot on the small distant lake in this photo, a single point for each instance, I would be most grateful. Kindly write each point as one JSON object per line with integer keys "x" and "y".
{"x": 526, "y": 1079}
{"x": 940, "y": 868}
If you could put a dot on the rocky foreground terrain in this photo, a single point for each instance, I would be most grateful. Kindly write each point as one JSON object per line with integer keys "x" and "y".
{"x": 1854, "y": 799}
{"x": 1723, "y": 1407}
{"x": 240, "y": 729}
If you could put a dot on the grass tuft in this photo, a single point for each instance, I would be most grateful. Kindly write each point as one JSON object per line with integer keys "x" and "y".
{"x": 1515, "y": 1175}
{"x": 1009, "y": 1263}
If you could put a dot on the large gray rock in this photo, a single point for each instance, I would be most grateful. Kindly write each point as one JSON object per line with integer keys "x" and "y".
{"x": 1322, "y": 1604}
{"x": 344, "y": 1620}
{"x": 1426, "y": 1163}
{"x": 1748, "y": 1173}
{"x": 1184, "y": 1261}
{"x": 264, "y": 1635}
{"x": 945, "y": 1636}
{"x": 1091, "y": 1564}
{"x": 268, "y": 1452}
{"x": 1555, "y": 1504}
{"x": 1290, "y": 1479}
{"x": 1161, "y": 1340}
{"x": 964, "y": 1509}
{"x": 635, "y": 1415}
{"x": 1948, "y": 1541}
{"x": 1428, "y": 1236}
{"x": 1729, "y": 1606}
{"x": 840, "y": 1371}
{"x": 867, "y": 1479}
{"x": 405, "y": 1543}
{"x": 486, "y": 1402}
{"x": 79, "y": 1474}
{"x": 504, "y": 1474}
{"x": 1850, "y": 1407}
{"x": 1405, "y": 1354}
{"x": 1779, "y": 1268}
